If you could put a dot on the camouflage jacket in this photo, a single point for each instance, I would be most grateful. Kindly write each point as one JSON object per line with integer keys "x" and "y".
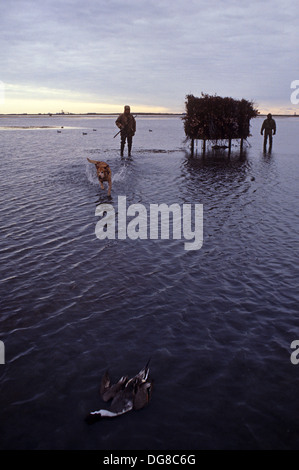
{"x": 127, "y": 123}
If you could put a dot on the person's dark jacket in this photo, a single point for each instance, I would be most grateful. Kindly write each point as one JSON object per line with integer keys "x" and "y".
{"x": 127, "y": 124}
{"x": 268, "y": 126}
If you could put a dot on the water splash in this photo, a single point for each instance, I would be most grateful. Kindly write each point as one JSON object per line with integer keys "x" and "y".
{"x": 120, "y": 175}
{"x": 91, "y": 173}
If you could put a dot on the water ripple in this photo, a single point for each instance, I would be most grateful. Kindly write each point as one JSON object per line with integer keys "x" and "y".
{"x": 217, "y": 322}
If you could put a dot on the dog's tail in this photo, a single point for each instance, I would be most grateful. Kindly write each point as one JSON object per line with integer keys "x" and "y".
{"x": 92, "y": 161}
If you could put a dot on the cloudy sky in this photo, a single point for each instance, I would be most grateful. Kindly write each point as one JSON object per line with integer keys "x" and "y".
{"x": 98, "y": 55}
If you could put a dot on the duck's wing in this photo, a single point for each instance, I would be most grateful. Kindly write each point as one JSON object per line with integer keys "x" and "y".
{"x": 142, "y": 395}
{"x": 142, "y": 375}
{"x": 122, "y": 402}
{"x": 110, "y": 391}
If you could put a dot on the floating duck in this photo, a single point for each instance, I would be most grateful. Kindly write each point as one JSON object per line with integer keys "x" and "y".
{"x": 84, "y": 133}
{"x": 94, "y": 130}
{"x": 59, "y": 132}
{"x": 126, "y": 395}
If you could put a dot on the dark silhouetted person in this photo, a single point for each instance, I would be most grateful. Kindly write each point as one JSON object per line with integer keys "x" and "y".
{"x": 127, "y": 125}
{"x": 269, "y": 129}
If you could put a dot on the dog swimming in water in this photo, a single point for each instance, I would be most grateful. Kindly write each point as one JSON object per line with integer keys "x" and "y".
{"x": 103, "y": 173}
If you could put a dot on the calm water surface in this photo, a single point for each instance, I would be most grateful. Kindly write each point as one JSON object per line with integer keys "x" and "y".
{"x": 217, "y": 322}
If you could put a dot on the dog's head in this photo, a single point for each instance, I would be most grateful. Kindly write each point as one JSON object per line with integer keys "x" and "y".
{"x": 102, "y": 170}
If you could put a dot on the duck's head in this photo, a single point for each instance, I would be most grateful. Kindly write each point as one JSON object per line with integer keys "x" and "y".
{"x": 92, "y": 418}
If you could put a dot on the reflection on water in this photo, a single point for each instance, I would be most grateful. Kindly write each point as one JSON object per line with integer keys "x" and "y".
{"x": 217, "y": 322}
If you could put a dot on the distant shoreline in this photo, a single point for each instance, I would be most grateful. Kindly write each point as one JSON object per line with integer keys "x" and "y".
{"x": 49, "y": 115}
{"x": 85, "y": 114}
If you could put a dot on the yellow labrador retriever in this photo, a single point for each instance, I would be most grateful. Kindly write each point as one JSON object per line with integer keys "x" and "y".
{"x": 103, "y": 173}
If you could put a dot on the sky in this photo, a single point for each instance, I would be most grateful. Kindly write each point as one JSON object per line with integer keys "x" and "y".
{"x": 99, "y": 55}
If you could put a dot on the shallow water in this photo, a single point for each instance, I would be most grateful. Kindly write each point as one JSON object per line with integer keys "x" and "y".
{"x": 217, "y": 322}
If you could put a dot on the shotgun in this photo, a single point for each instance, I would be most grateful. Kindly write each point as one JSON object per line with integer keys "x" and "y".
{"x": 117, "y": 134}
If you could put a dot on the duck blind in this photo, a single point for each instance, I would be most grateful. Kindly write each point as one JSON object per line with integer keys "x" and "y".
{"x": 216, "y": 118}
